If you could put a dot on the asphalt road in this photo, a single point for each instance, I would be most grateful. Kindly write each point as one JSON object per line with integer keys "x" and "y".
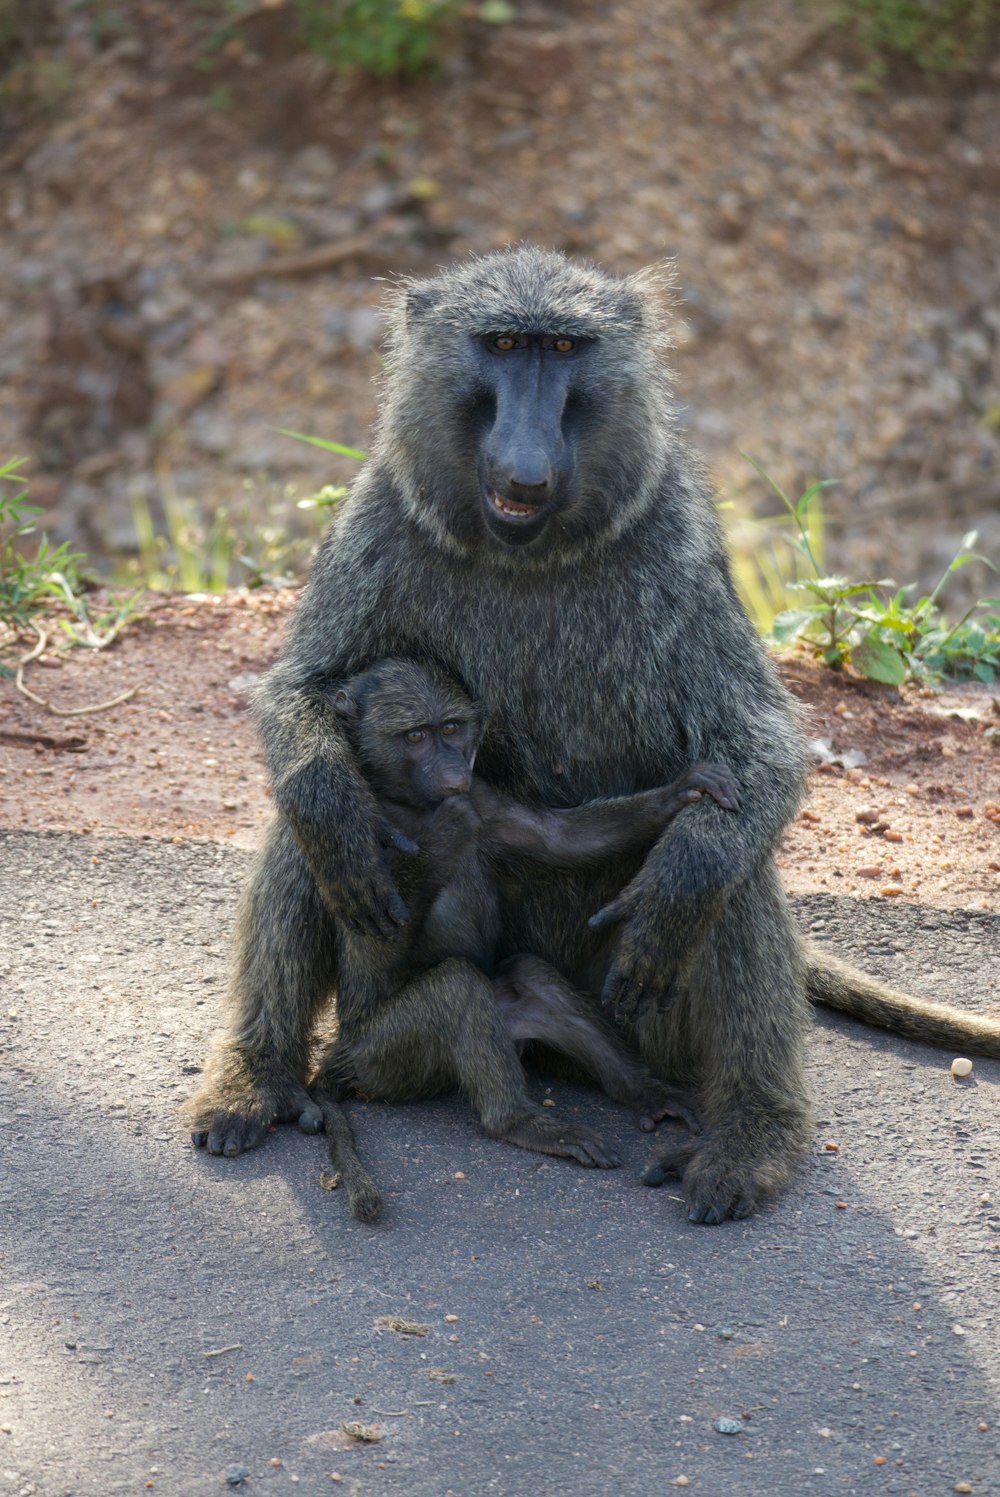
{"x": 167, "y": 1318}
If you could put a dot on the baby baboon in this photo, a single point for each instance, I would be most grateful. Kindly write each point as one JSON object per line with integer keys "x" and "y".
{"x": 531, "y": 520}
{"x": 415, "y": 735}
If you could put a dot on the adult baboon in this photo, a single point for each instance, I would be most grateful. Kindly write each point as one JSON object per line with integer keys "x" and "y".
{"x": 531, "y": 521}
{"x": 405, "y": 1030}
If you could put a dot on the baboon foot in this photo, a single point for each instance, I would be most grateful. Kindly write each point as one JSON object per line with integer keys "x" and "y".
{"x": 548, "y": 1136}
{"x": 656, "y": 1101}
{"x": 233, "y": 1116}
{"x": 718, "y": 1186}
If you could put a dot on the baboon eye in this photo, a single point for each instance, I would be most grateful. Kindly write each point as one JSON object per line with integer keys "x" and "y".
{"x": 415, "y": 735}
{"x": 564, "y": 345}
{"x": 505, "y": 342}
{"x": 449, "y": 728}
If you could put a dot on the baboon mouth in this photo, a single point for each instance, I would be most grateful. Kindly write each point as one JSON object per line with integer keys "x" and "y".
{"x": 511, "y": 509}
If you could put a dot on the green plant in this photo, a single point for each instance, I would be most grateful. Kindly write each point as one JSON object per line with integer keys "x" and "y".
{"x": 330, "y": 494}
{"x": 198, "y": 554}
{"x": 388, "y": 38}
{"x": 878, "y": 633}
{"x": 937, "y": 35}
{"x": 29, "y": 576}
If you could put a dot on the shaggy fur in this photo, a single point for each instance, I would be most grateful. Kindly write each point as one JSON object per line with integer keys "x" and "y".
{"x": 611, "y": 653}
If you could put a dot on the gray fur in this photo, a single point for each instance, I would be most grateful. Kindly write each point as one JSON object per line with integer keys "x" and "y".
{"x": 611, "y": 653}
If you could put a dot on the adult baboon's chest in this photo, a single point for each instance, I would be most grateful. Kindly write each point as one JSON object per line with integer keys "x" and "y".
{"x": 572, "y": 683}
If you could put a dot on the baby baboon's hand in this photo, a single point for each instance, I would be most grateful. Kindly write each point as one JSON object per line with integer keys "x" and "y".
{"x": 717, "y": 780}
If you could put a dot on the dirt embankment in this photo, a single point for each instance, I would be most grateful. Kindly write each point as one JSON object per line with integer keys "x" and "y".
{"x": 915, "y": 817}
{"x": 192, "y": 225}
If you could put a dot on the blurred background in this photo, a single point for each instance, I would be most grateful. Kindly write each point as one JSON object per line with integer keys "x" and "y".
{"x": 200, "y": 198}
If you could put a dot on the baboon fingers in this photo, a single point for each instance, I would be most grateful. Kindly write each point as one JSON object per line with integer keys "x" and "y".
{"x": 622, "y": 995}
{"x": 619, "y": 909}
{"x": 720, "y": 783}
{"x": 390, "y": 836}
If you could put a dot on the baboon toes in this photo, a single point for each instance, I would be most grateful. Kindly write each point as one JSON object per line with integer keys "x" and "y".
{"x": 546, "y": 1136}
{"x": 229, "y": 1135}
{"x": 658, "y": 1101}
{"x": 729, "y": 1203}
{"x": 308, "y": 1115}
{"x": 717, "y": 1190}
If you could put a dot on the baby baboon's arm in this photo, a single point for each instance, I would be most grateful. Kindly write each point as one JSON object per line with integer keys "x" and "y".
{"x": 599, "y": 829}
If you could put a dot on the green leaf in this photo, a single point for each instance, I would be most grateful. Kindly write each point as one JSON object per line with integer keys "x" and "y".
{"x": 790, "y": 624}
{"x": 985, "y": 672}
{"x": 879, "y": 661}
{"x": 337, "y": 447}
{"x": 811, "y": 492}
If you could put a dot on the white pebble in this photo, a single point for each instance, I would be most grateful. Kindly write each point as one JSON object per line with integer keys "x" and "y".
{"x": 960, "y": 1066}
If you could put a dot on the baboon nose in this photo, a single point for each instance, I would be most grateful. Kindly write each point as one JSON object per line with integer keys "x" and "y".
{"x": 530, "y": 471}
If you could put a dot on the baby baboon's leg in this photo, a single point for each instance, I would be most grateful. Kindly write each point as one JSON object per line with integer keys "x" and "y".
{"x": 444, "y": 1030}
{"x": 537, "y": 1003}
{"x": 284, "y": 968}
{"x": 739, "y": 1024}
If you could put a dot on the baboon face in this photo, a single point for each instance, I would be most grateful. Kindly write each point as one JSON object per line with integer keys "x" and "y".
{"x": 415, "y": 735}
{"x": 530, "y": 409}
{"x": 518, "y": 389}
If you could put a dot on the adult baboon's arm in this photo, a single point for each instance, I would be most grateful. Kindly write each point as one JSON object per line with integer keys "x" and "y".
{"x": 747, "y": 722}
{"x": 317, "y": 785}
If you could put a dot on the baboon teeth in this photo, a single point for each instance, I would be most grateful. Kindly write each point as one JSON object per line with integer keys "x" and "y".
{"x": 511, "y": 506}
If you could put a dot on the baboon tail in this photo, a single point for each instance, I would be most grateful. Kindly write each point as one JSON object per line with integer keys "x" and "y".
{"x": 363, "y": 1195}
{"x": 843, "y": 987}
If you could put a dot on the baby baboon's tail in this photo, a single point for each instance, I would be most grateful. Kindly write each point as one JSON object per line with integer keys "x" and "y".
{"x": 363, "y": 1195}
{"x": 843, "y": 987}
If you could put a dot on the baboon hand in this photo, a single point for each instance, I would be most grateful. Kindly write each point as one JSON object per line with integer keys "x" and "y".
{"x": 647, "y": 957}
{"x": 366, "y": 901}
{"x": 717, "y": 780}
{"x": 358, "y": 888}
{"x": 391, "y": 837}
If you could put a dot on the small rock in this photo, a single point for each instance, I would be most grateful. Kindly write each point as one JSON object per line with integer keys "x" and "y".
{"x": 961, "y": 1066}
{"x": 236, "y": 1475}
{"x": 727, "y": 1426}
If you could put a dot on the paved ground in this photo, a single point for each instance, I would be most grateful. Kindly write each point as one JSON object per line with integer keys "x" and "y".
{"x": 166, "y": 1319}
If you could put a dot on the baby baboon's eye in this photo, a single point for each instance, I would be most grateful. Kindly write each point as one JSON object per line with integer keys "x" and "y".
{"x": 449, "y": 728}
{"x": 415, "y": 735}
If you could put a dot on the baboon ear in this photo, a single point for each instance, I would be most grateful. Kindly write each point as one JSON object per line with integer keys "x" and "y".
{"x": 345, "y": 705}
{"x": 419, "y": 301}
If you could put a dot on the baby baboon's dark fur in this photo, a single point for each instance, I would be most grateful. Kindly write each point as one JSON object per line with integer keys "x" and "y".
{"x": 415, "y": 735}
{"x": 531, "y": 520}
